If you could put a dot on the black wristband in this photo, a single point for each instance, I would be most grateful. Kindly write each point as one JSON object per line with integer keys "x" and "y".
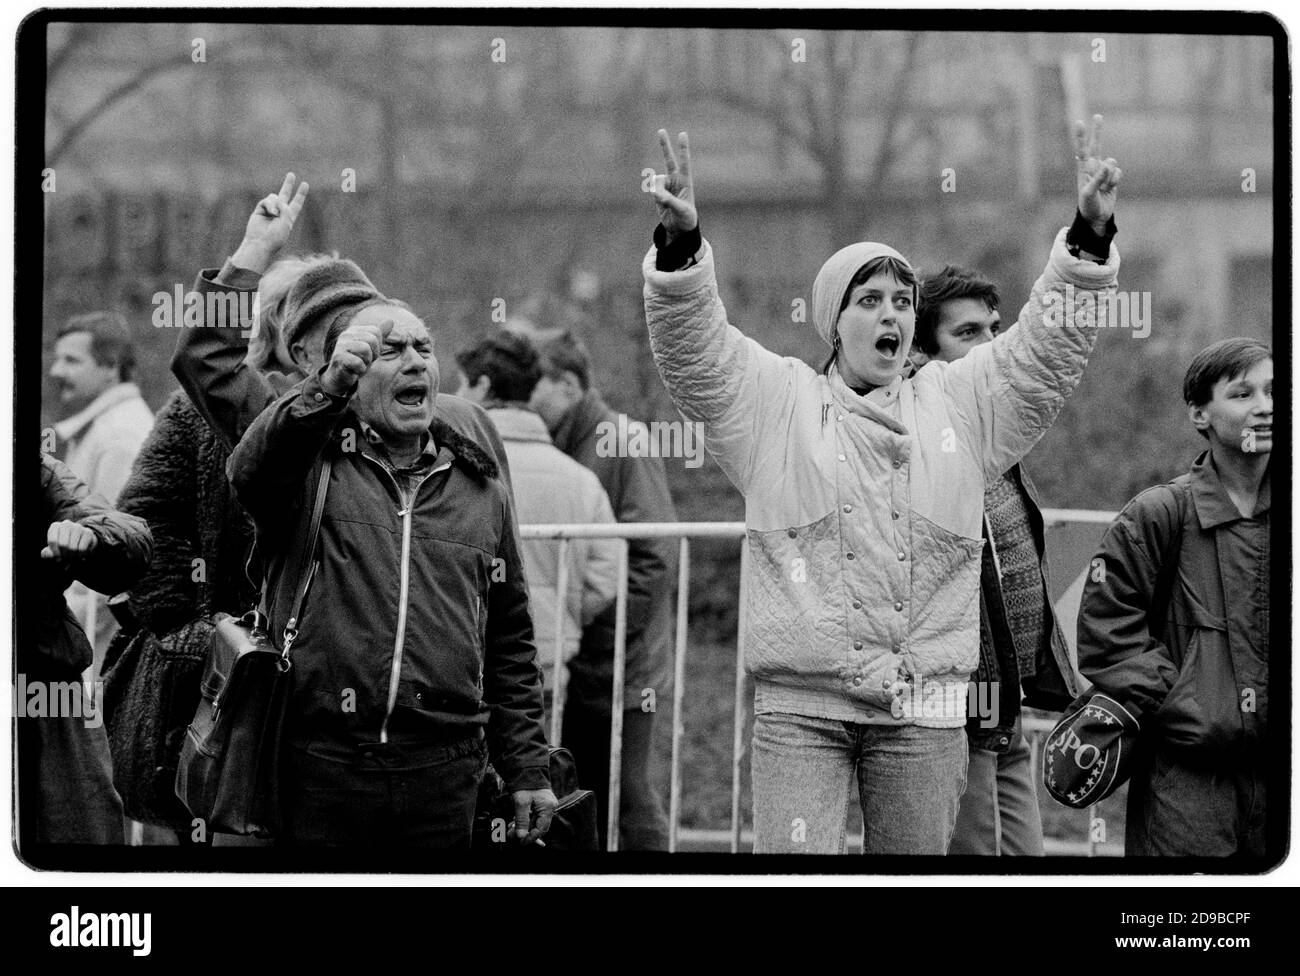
{"x": 1081, "y": 237}
{"x": 678, "y": 254}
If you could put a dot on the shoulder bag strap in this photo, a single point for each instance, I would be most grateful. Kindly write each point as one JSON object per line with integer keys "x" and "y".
{"x": 310, "y": 564}
{"x": 1164, "y": 592}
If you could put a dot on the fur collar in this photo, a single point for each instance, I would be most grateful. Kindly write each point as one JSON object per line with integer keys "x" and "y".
{"x": 472, "y": 458}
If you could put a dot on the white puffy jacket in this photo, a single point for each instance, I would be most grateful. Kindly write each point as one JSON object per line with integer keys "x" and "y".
{"x": 864, "y": 512}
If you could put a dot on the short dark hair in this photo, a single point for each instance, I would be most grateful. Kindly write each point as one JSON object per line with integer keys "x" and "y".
{"x": 110, "y": 340}
{"x": 508, "y": 360}
{"x": 1226, "y": 358}
{"x": 952, "y": 282}
{"x": 565, "y": 353}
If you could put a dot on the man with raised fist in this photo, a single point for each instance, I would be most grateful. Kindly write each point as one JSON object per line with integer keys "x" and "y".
{"x": 211, "y": 361}
{"x": 414, "y": 657}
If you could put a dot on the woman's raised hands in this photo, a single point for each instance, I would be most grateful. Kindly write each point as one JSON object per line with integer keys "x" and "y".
{"x": 1098, "y": 179}
{"x": 673, "y": 191}
{"x": 270, "y": 225}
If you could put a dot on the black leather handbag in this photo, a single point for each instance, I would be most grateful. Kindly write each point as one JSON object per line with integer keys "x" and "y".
{"x": 229, "y": 765}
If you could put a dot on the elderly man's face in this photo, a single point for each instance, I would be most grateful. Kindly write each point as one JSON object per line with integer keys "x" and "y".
{"x": 396, "y": 396}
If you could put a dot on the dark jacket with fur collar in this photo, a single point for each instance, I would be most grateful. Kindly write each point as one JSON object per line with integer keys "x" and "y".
{"x": 432, "y": 591}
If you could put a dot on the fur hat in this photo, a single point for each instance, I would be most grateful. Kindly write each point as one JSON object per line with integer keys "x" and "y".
{"x": 323, "y": 294}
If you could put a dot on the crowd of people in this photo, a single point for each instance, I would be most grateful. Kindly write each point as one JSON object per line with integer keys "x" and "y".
{"x": 896, "y": 543}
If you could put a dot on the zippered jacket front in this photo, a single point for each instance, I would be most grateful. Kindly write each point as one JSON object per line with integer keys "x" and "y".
{"x": 416, "y": 627}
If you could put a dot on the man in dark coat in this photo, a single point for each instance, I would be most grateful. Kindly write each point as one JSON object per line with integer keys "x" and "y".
{"x": 65, "y": 783}
{"x": 1174, "y": 622}
{"x": 414, "y": 654}
{"x": 1022, "y": 647}
{"x": 210, "y": 357}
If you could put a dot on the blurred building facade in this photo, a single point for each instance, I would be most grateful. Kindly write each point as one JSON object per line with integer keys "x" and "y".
{"x": 500, "y": 163}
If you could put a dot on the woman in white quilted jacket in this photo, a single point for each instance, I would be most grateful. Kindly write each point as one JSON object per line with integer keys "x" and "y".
{"x": 864, "y": 495}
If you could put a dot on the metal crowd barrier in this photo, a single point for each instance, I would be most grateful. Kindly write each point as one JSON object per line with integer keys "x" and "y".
{"x": 685, "y": 531}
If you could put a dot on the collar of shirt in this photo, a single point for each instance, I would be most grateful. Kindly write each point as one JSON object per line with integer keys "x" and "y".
{"x": 429, "y": 451}
{"x": 1213, "y": 505}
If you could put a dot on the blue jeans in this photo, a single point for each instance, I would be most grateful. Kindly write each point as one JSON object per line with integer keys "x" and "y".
{"x": 999, "y": 812}
{"x": 910, "y": 780}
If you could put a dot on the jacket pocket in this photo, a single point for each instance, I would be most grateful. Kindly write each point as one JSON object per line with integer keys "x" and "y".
{"x": 1200, "y": 719}
{"x": 945, "y": 593}
{"x": 794, "y": 599}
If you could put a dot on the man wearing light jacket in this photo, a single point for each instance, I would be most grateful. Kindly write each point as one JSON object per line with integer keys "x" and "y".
{"x": 499, "y": 373}
{"x": 864, "y": 499}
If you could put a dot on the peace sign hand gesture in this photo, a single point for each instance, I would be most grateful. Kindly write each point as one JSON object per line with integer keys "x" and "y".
{"x": 674, "y": 191}
{"x": 270, "y": 225}
{"x": 1098, "y": 179}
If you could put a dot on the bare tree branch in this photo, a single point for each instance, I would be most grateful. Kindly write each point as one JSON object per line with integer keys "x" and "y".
{"x": 122, "y": 91}
{"x": 886, "y": 150}
{"x": 78, "y": 35}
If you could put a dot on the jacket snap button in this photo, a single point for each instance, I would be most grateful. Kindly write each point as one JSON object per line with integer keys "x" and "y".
{"x": 843, "y": 457}
{"x": 898, "y": 648}
{"x": 857, "y": 604}
{"x": 897, "y": 463}
{"x": 840, "y": 417}
{"x": 857, "y": 645}
{"x": 896, "y": 515}
{"x": 848, "y": 555}
{"x": 419, "y": 696}
{"x": 857, "y": 680}
{"x": 319, "y": 397}
{"x": 902, "y": 556}
{"x": 791, "y": 533}
{"x": 1003, "y": 741}
{"x": 898, "y": 606}
{"x": 885, "y": 685}
{"x": 848, "y": 508}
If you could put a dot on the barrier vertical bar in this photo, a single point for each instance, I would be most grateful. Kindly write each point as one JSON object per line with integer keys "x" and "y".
{"x": 679, "y": 685}
{"x": 738, "y": 705}
{"x": 616, "y": 702}
{"x": 560, "y": 681}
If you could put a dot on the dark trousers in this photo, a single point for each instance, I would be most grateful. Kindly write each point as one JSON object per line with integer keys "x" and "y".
{"x": 642, "y": 824}
{"x": 383, "y": 798}
{"x": 1206, "y": 810}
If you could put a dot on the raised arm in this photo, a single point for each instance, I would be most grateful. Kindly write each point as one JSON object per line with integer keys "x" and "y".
{"x": 209, "y": 361}
{"x": 269, "y": 464}
{"x": 714, "y": 374}
{"x": 1011, "y": 390}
